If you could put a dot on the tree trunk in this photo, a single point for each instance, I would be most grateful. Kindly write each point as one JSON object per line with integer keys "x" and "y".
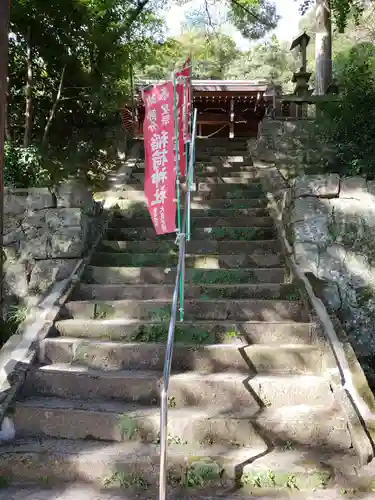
{"x": 4, "y": 22}
{"x": 53, "y": 110}
{"x": 323, "y": 47}
{"x": 28, "y": 94}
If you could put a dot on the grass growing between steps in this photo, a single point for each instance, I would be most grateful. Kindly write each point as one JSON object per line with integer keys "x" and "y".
{"x": 222, "y": 277}
{"x": 187, "y": 335}
{"x": 240, "y": 233}
{"x": 284, "y": 480}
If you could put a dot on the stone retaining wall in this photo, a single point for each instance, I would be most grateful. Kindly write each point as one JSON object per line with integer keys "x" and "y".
{"x": 330, "y": 223}
{"x": 45, "y": 234}
{"x": 293, "y": 145}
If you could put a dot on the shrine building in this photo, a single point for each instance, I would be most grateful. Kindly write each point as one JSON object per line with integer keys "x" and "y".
{"x": 226, "y": 108}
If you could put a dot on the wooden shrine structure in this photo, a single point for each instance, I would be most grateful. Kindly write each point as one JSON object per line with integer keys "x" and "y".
{"x": 226, "y": 108}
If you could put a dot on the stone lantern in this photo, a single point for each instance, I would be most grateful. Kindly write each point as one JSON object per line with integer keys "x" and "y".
{"x": 301, "y": 78}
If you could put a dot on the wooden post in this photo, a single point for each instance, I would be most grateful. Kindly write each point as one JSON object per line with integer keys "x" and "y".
{"x": 4, "y": 26}
{"x": 231, "y": 126}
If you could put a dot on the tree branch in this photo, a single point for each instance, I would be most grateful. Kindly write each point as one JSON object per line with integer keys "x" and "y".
{"x": 248, "y": 11}
{"x": 141, "y": 4}
{"x": 53, "y": 109}
{"x": 208, "y": 13}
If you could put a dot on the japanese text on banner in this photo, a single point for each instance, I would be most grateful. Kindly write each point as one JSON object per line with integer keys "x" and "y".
{"x": 160, "y": 177}
{"x": 180, "y": 122}
{"x": 186, "y": 74}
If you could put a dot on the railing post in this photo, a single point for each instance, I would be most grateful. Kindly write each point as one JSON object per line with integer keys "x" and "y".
{"x": 163, "y": 443}
{"x": 178, "y": 293}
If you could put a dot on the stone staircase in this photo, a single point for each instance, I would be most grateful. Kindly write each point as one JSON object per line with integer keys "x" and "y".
{"x": 249, "y": 400}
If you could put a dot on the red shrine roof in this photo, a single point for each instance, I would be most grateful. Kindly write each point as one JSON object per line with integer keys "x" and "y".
{"x": 226, "y": 86}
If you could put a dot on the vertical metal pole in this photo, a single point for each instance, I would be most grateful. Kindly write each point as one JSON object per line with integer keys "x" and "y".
{"x": 178, "y": 196}
{"x": 4, "y": 27}
{"x": 182, "y": 283}
{"x": 163, "y": 442}
{"x": 177, "y": 159}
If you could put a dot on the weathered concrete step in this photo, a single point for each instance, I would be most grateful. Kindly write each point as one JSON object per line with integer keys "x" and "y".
{"x": 226, "y": 391}
{"x": 202, "y": 332}
{"x": 189, "y": 356}
{"x": 197, "y": 246}
{"x": 134, "y": 207}
{"x": 81, "y": 491}
{"x": 198, "y": 202}
{"x": 298, "y": 425}
{"x": 137, "y": 464}
{"x": 202, "y": 233}
{"x": 223, "y": 152}
{"x": 134, "y": 192}
{"x": 216, "y": 309}
{"x": 234, "y": 157}
{"x": 230, "y": 212}
{"x": 155, "y": 275}
{"x": 285, "y": 291}
{"x": 197, "y": 222}
{"x": 142, "y": 211}
{"x": 210, "y": 172}
{"x": 244, "y": 185}
{"x": 224, "y": 159}
{"x": 223, "y": 179}
{"x": 197, "y": 261}
{"x": 228, "y": 191}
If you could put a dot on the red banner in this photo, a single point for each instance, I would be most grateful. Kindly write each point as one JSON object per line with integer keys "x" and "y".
{"x": 186, "y": 74}
{"x": 160, "y": 175}
{"x": 180, "y": 121}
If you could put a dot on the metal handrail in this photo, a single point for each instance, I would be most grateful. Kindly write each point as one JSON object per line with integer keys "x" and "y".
{"x": 172, "y": 324}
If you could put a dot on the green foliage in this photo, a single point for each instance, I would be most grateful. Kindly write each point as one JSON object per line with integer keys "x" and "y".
{"x": 212, "y": 53}
{"x": 342, "y": 10}
{"x": 70, "y": 61}
{"x": 270, "y": 60}
{"x": 347, "y": 124}
{"x": 253, "y": 18}
{"x": 23, "y": 167}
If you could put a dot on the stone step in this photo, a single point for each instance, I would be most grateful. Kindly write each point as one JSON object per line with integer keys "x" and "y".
{"x": 284, "y": 291}
{"x": 242, "y": 190}
{"x": 198, "y": 202}
{"x": 201, "y": 233}
{"x": 251, "y": 174}
{"x": 230, "y": 212}
{"x": 225, "y": 391}
{"x": 196, "y": 222}
{"x": 296, "y": 425}
{"x": 196, "y": 261}
{"x": 234, "y": 149}
{"x": 224, "y": 159}
{"x": 215, "y": 309}
{"x": 234, "y": 178}
{"x": 202, "y": 332}
{"x": 243, "y": 173}
{"x": 228, "y": 191}
{"x": 142, "y": 211}
{"x": 155, "y": 275}
{"x": 134, "y": 464}
{"x": 200, "y": 246}
{"x": 189, "y": 356}
{"x": 133, "y": 206}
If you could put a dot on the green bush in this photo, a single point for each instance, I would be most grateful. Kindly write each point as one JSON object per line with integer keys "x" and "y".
{"x": 24, "y": 167}
{"x": 349, "y": 124}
